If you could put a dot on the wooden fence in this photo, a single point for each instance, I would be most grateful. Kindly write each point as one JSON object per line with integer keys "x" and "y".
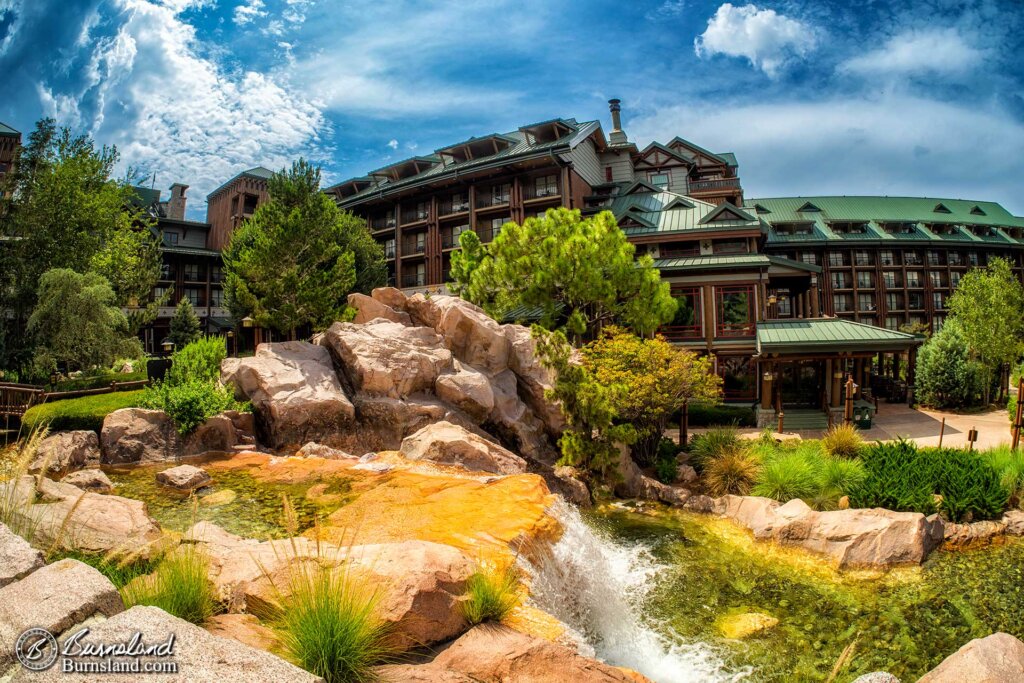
{"x": 15, "y": 399}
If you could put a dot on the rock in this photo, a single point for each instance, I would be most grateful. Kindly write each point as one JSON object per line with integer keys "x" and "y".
{"x": 390, "y": 296}
{"x": 221, "y": 433}
{"x": 184, "y": 478}
{"x": 572, "y": 486}
{"x": 1014, "y": 521}
{"x": 65, "y": 452}
{"x": 446, "y": 443}
{"x": 90, "y": 480}
{"x": 55, "y": 597}
{"x": 294, "y": 390}
{"x": 388, "y": 359}
{"x": 467, "y": 389}
{"x": 422, "y": 673}
{"x": 199, "y": 654}
{"x": 740, "y": 626}
{"x": 844, "y": 503}
{"x": 534, "y": 379}
{"x": 472, "y": 335}
{"x": 973, "y": 535}
{"x": 317, "y": 450}
{"x": 635, "y": 484}
{"x": 17, "y": 557}
{"x": 876, "y": 677}
{"x": 245, "y": 628}
{"x": 998, "y": 658}
{"x": 755, "y": 513}
{"x": 134, "y": 435}
{"x": 218, "y": 498}
{"x": 516, "y": 424}
{"x": 498, "y": 653}
{"x": 423, "y": 310}
{"x": 686, "y": 474}
{"x": 368, "y": 309}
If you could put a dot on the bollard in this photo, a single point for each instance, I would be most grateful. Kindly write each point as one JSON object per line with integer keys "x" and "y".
{"x": 942, "y": 431}
{"x": 782, "y": 418}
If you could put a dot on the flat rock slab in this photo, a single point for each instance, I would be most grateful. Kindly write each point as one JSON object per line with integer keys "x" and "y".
{"x": 201, "y": 656}
{"x": 450, "y": 444}
{"x": 56, "y": 597}
{"x": 17, "y": 557}
{"x": 184, "y": 477}
{"x": 90, "y": 480}
{"x": 998, "y": 658}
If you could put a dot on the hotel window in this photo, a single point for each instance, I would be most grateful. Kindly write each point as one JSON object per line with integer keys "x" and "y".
{"x": 840, "y": 280}
{"x": 736, "y": 316}
{"x": 687, "y": 322}
{"x": 809, "y": 257}
{"x": 658, "y": 179}
{"x": 166, "y": 271}
{"x": 838, "y": 258}
{"x": 450, "y": 236}
{"x": 913, "y": 278}
{"x": 216, "y": 274}
{"x": 892, "y": 278}
{"x": 915, "y": 301}
{"x": 868, "y": 320}
{"x": 739, "y": 377}
{"x": 679, "y": 249}
{"x": 863, "y": 258}
{"x": 496, "y": 225}
{"x": 865, "y": 302}
{"x": 893, "y": 322}
{"x": 972, "y": 259}
{"x": 459, "y": 202}
{"x": 193, "y": 272}
{"x": 389, "y": 249}
{"x": 935, "y": 258}
{"x": 912, "y": 258}
{"x": 784, "y": 305}
{"x": 171, "y": 239}
{"x": 956, "y": 258}
{"x": 499, "y": 194}
{"x": 865, "y": 280}
{"x": 938, "y": 279}
{"x": 422, "y": 210}
{"x": 730, "y": 246}
{"x": 954, "y": 279}
{"x": 894, "y": 302}
{"x": 938, "y": 301}
{"x": 545, "y": 186}
{"x": 841, "y": 302}
{"x": 916, "y": 320}
{"x": 217, "y": 298}
{"x": 195, "y": 296}
{"x": 159, "y": 292}
{"x": 887, "y": 257}
{"x": 415, "y": 244}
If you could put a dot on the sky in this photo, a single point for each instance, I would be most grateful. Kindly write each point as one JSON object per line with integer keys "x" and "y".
{"x": 911, "y": 97}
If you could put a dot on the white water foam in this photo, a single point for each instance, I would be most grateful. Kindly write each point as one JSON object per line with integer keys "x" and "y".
{"x": 596, "y": 586}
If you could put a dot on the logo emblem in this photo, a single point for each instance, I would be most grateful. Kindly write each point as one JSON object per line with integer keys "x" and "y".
{"x": 36, "y": 649}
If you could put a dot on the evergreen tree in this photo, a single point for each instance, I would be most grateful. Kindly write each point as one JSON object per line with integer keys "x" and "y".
{"x": 185, "y": 327}
{"x": 947, "y": 377}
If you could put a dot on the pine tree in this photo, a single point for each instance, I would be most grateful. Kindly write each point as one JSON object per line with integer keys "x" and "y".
{"x": 184, "y": 325}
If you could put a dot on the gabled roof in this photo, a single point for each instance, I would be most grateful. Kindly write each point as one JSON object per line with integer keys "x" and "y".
{"x": 256, "y": 173}
{"x": 144, "y": 196}
{"x": 729, "y": 158}
{"x": 658, "y": 147}
{"x": 807, "y": 207}
{"x": 678, "y": 203}
{"x": 7, "y": 130}
{"x": 727, "y": 212}
{"x": 669, "y": 212}
{"x": 828, "y": 334}
{"x": 640, "y": 186}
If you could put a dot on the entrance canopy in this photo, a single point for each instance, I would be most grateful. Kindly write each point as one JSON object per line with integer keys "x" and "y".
{"x": 828, "y": 335}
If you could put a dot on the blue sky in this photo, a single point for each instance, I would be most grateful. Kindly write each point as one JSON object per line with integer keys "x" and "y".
{"x": 917, "y": 97}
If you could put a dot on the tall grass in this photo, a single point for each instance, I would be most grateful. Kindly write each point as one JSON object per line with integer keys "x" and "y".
{"x": 805, "y": 471}
{"x": 1009, "y": 465}
{"x": 787, "y": 476}
{"x": 491, "y": 594}
{"x": 15, "y": 500}
{"x": 713, "y": 443}
{"x": 179, "y": 586}
{"x": 843, "y": 441}
{"x": 732, "y": 472}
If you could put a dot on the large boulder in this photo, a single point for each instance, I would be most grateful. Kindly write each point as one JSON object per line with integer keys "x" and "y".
{"x": 90, "y": 480}
{"x": 534, "y": 379}
{"x": 65, "y": 452}
{"x": 391, "y": 297}
{"x": 17, "y": 557}
{"x": 998, "y": 658}
{"x": 368, "y": 308}
{"x": 56, "y": 598}
{"x": 199, "y": 654}
{"x": 184, "y": 478}
{"x": 245, "y": 628}
{"x": 449, "y": 444}
{"x": 388, "y": 359}
{"x": 1014, "y": 521}
{"x": 294, "y": 390}
{"x": 222, "y": 432}
{"x": 137, "y": 435}
{"x": 467, "y": 389}
{"x": 472, "y": 335}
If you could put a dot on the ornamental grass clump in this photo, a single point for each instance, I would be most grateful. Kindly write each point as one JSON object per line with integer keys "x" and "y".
{"x": 179, "y": 586}
{"x": 491, "y": 594}
{"x": 843, "y": 441}
{"x": 714, "y": 442}
{"x": 1009, "y": 465}
{"x": 788, "y": 475}
{"x": 731, "y": 472}
{"x": 803, "y": 470}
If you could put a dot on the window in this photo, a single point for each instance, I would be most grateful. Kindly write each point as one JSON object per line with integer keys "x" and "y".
{"x": 389, "y": 248}
{"x": 166, "y": 271}
{"x": 888, "y": 257}
{"x": 938, "y": 301}
{"x": 170, "y": 239}
{"x": 195, "y": 296}
{"x": 216, "y": 274}
{"x": 972, "y": 259}
{"x": 217, "y": 298}
{"x": 938, "y": 279}
{"x": 913, "y": 278}
{"x": 868, "y": 320}
{"x": 865, "y": 302}
{"x": 892, "y": 279}
{"x": 545, "y": 186}
{"x": 416, "y": 277}
{"x": 865, "y": 280}
{"x": 894, "y": 302}
{"x": 422, "y": 210}
{"x": 730, "y": 246}
{"x": 784, "y": 305}
{"x": 893, "y": 322}
{"x": 863, "y": 258}
{"x": 499, "y": 194}
{"x": 915, "y": 301}
{"x": 809, "y": 257}
{"x": 736, "y": 315}
{"x": 840, "y": 280}
{"x": 955, "y": 258}
{"x": 450, "y": 236}
{"x": 739, "y": 377}
{"x": 954, "y": 279}
{"x": 658, "y": 179}
{"x": 936, "y": 258}
{"x": 678, "y": 249}
{"x": 838, "y": 258}
{"x": 415, "y": 244}
{"x": 841, "y": 302}
{"x": 193, "y": 272}
{"x": 794, "y": 228}
{"x": 912, "y": 258}
{"x": 159, "y": 292}
{"x": 687, "y": 322}
{"x": 608, "y": 174}
{"x": 460, "y": 202}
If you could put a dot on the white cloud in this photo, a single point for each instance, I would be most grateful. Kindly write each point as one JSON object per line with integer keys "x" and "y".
{"x": 393, "y": 144}
{"x": 767, "y": 39}
{"x": 249, "y": 11}
{"x": 891, "y": 145}
{"x": 936, "y": 51}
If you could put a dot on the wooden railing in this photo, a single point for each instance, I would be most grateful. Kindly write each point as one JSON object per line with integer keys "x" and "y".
{"x": 719, "y": 184}
{"x": 681, "y": 332}
{"x": 15, "y": 399}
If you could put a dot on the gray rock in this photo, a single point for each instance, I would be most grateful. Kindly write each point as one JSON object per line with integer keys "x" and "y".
{"x": 184, "y": 478}
{"x": 998, "y": 658}
{"x": 67, "y": 451}
{"x": 90, "y": 480}
{"x": 134, "y": 435}
{"x": 200, "y": 655}
{"x": 1014, "y": 521}
{"x": 17, "y": 557}
{"x": 876, "y": 677}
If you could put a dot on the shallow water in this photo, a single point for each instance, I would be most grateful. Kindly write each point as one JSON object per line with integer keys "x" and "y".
{"x": 904, "y": 623}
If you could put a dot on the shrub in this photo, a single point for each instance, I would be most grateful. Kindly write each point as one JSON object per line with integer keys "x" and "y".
{"x": 946, "y": 375}
{"x": 1011, "y": 407}
{"x": 1009, "y": 465}
{"x": 99, "y": 380}
{"x": 491, "y": 595}
{"x": 713, "y": 443}
{"x": 86, "y": 412}
{"x": 843, "y": 441}
{"x": 842, "y": 475}
{"x": 730, "y": 472}
{"x": 666, "y": 469}
{"x": 198, "y": 362}
{"x": 787, "y": 476}
{"x": 329, "y": 625}
{"x": 191, "y": 403}
{"x": 179, "y": 586}
{"x": 707, "y": 415}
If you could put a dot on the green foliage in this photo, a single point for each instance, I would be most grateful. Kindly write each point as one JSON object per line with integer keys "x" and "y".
{"x": 579, "y": 272}
{"x": 789, "y": 475}
{"x": 77, "y": 322}
{"x": 666, "y": 469}
{"x": 712, "y": 443}
{"x": 198, "y": 361}
{"x": 185, "y": 327}
{"x": 330, "y": 625}
{"x": 805, "y": 470}
{"x": 1009, "y": 465}
{"x": 179, "y": 586}
{"x": 190, "y": 403}
{"x": 491, "y": 595}
{"x": 842, "y": 441}
{"x": 731, "y": 472}
{"x": 900, "y": 476}
{"x": 1011, "y": 407}
{"x": 86, "y": 412}
{"x": 947, "y": 377}
{"x": 97, "y": 380}
{"x": 130, "y": 260}
{"x": 120, "y": 570}
{"x": 709, "y": 415}
{"x": 299, "y": 256}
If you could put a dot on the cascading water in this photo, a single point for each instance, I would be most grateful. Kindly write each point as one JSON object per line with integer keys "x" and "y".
{"x": 595, "y": 586}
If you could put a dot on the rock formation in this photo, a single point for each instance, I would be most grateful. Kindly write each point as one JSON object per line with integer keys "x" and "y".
{"x": 65, "y": 452}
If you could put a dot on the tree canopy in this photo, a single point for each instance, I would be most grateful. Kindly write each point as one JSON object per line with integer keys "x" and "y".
{"x": 296, "y": 260}
{"x": 947, "y": 376}
{"x": 580, "y": 274}
{"x": 185, "y": 327}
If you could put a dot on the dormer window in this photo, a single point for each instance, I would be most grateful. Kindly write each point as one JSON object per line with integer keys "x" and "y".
{"x": 978, "y": 211}
{"x": 808, "y": 207}
{"x": 941, "y": 208}
{"x": 659, "y": 179}
{"x": 898, "y": 228}
{"x": 850, "y": 228}
{"x": 794, "y": 228}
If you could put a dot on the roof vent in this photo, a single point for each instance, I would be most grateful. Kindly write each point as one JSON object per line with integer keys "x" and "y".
{"x": 978, "y": 211}
{"x": 941, "y": 208}
{"x": 808, "y": 207}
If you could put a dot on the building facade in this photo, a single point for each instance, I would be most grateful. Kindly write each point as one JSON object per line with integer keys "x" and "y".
{"x": 233, "y": 202}
{"x": 10, "y": 140}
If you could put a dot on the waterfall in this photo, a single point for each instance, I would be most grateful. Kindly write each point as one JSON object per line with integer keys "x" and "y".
{"x": 596, "y": 587}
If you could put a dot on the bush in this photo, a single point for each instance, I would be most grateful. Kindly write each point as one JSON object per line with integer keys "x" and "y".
{"x": 491, "y": 595}
{"x": 99, "y": 380}
{"x": 1009, "y": 465}
{"x": 329, "y": 625}
{"x": 198, "y": 362}
{"x": 1011, "y": 407}
{"x": 708, "y": 415}
{"x": 842, "y": 441}
{"x": 946, "y": 375}
{"x": 713, "y": 443}
{"x": 805, "y": 471}
{"x": 666, "y": 469}
{"x": 732, "y": 472}
{"x": 191, "y": 403}
{"x": 86, "y": 412}
{"x": 179, "y": 586}
{"x": 902, "y": 477}
{"x": 787, "y": 476}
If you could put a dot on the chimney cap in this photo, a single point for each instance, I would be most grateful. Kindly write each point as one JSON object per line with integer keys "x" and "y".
{"x": 181, "y": 185}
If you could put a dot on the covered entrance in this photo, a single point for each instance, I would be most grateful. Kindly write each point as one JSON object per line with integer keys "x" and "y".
{"x": 801, "y": 383}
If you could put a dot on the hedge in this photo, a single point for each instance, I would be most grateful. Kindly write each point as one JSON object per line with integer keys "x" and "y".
{"x": 98, "y": 381}
{"x": 704, "y": 415}
{"x": 86, "y": 412}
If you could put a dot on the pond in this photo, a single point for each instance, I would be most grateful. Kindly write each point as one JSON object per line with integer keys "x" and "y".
{"x": 905, "y": 622}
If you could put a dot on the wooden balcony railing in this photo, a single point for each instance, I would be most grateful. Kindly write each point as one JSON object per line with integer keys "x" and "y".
{"x": 415, "y": 216}
{"x": 414, "y": 280}
{"x": 450, "y": 238}
{"x": 531, "y": 191}
{"x": 711, "y": 185}
{"x": 453, "y": 205}
{"x": 677, "y": 333}
{"x": 488, "y": 198}
{"x": 382, "y": 222}
{"x": 413, "y": 248}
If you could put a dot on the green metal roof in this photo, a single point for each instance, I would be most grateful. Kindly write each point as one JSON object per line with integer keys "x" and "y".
{"x": 145, "y": 196}
{"x": 667, "y": 212}
{"x": 7, "y": 130}
{"x": 190, "y": 251}
{"x": 258, "y": 173}
{"x": 828, "y": 334}
{"x": 731, "y": 261}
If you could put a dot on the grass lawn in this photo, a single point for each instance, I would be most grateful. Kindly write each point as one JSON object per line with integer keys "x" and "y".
{"x": 86, "y": 412}
{"x": 97, "y": 381}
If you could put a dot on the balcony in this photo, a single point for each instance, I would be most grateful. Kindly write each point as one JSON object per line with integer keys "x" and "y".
{"x": 382, "y": 223}
{"x": 489, "y": 198}
{"x": 414, "y": 280}
{"x": 414, "y": 248}
{"x": 453, "y": 206}
{"x": 533, "y": 192}
{"x": 389, "y": 251}
{"x": 415, "y": 215}
{"x": 679, "y": 333}
{"x": 450, "y": 238}
{"x": 714, "y": 185}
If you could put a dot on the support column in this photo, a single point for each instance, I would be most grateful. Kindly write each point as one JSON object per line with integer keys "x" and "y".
{"x": 815, "y": 302}
{"x": 911, "y": 374}
{"x": 837, "y": 378}
{"x": 858, "y": 369}
{"x": 766, "y": 386}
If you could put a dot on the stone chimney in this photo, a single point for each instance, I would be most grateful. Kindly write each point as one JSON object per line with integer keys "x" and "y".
{"x": 176, "y": 204}
{"x": 617, "y": 135}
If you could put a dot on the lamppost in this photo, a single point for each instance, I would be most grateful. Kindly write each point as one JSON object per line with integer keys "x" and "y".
{"x": 248, "y": 322}
{"x": 233, "y": 342}
{"x": 167, "y": 346}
